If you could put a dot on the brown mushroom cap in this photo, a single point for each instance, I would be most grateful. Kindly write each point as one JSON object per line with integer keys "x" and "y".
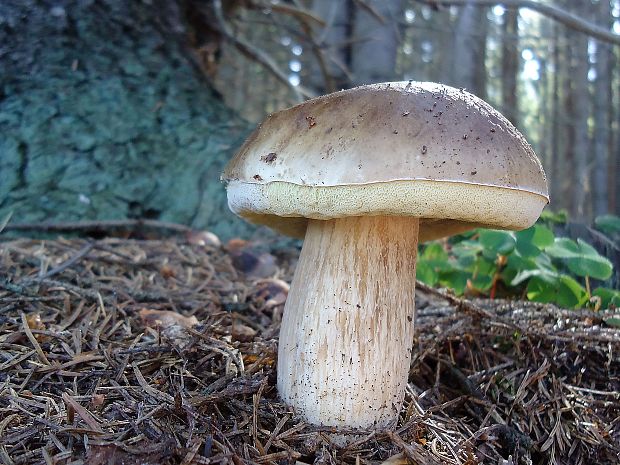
{"x": 400, "y": 148}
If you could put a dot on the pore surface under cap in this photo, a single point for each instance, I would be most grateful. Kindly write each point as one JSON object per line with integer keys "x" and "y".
{"x": 445, "y": 208}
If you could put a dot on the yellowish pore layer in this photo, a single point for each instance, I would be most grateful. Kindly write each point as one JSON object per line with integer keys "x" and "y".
{"x": 445, "y": 208}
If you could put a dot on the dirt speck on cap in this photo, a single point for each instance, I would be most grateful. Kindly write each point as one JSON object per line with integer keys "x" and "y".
{"x": 269, "y": 158}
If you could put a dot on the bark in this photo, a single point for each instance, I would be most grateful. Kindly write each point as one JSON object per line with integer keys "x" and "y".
{"x": 556, "y": 111}
{"x": 615, "y": 156}
{"x": 510, "y": 65}
{"x": 543, "y": 129}
{"x": 566, "y": 131}
{"x": 602, "y": 116}
{"x": 376, "y": 41}
{"x": 331, "y": 54}
{"x": 105, "y": 114}
{"x": 562, "y": 130}
{"x": 469, "y": 45}
{"x": 581, "y": 111}
{"x": 442, "y": 21}
{"x": 614, "y": 182}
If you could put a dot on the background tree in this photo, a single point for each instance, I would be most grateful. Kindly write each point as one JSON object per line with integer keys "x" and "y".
{"x": 579, "y": 109}
{"x": 469, "y": 50}
{"x": 510, "y": 64}
{"x": 602, "y": 114}
{"x": 375, "y": 41}
{"x": 537, "y": 61}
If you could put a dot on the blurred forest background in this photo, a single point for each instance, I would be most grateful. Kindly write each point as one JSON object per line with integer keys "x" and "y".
{"x": 112, "y": 109}
{"x": 551, "y": 67}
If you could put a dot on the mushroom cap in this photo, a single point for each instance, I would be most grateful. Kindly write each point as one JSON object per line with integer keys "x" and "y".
{"x": 401, "y": 148}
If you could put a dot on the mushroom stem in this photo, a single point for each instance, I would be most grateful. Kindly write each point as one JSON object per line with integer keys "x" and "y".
{"x": 347, "y": 331}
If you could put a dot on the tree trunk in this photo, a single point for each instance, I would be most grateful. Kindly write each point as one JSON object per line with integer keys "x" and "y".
{"x": 328, "y": 72}
{"x": 566, "y": 131}
{"x": 556, "y": 111}
{"x": 543, "y": 119}
{"x": 469, "y": 45}
{"x": 614, "y": 179}
{"x": 581, "y": 111}
{"x": 442, "y": 21}
{"x": 105, "y": 115}
{"x": 376, "y": 42}
{"x": 510, "y": 65}
{"x": 602, "y": 115}
{"x": 615, "y": 155}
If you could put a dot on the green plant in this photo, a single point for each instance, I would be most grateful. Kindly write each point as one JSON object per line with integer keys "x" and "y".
{"x": 550, "y": 217}
{"x": 609, "y": 224}
{"x": 532, "y": 264}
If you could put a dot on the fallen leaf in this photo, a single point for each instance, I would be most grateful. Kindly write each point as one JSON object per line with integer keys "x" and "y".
{"x": 272, "y": 292}
{"x": 249, "y": 261}
{"x": 171, "y": 325}
{"x": 167, "y": 272}
{"x": 97, "y": 400}
{"x": 204, "y": 238}
{"x": 35, "y": 322}
{"x": 165, "y": 319}
{"x": 111, "y": 454}
{"x": 243, "y": 332}
{"x": 398, "y": 459}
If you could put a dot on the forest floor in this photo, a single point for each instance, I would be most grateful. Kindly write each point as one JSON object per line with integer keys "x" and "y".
{"x": 121, "y": 351}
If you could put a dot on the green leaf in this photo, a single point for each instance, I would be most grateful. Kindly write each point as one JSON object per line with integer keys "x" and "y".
{"x": 434, "y": 251}
{"x": 482, "y": 282}
{"x": 516, "y": 262}
{"x": 482, "y": 274}
{"x": 581, "y": 258}
{"x": 613, "y": 322}
{"x": 462, "y": 236}
{"x": 609, "y": 224}
{"x": 497, "y": 242}
{"x": 590, "y": 263}
{"x": 563, "y": 247}
{"x": 560, "y": 217}
{"x": 466, "y": 248}
{"x": 547, "y": 268}
{"x": 543, "y": 275}
{"x": 484, "y": 266}
{"x": 455, "y": 280}
{"x": 466, "y": 253}
{"x": 560, "y": 289}
{"x": 519, "y": 269}
{"x": 608, "y": 297}
{"x": 435, "y": 259}
{"x": 569, "y": 291}
{"x": 426, "y": 273}
{"x": 541, "y": 290}
{"x": 531, "y": 241}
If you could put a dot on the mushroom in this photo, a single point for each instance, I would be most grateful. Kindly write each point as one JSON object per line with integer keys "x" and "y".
{"x": 363, "y": 175}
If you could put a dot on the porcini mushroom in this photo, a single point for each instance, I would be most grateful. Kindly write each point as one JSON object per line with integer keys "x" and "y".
{"x": 362, "y": 175}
